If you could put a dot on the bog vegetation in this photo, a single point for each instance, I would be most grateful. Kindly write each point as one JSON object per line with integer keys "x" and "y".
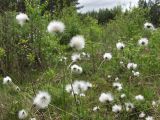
{"x": 58, "y": 64}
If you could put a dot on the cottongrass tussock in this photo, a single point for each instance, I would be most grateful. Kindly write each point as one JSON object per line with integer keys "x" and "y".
{"x": 76, "y": 69}
{"x": 143, "y": 42}
{"x": 77, "y": 42}
{"x": 120, "y": 45}
{"x": 7, "y": 80}
{"x": 78, "y": 87}
{"x": 42, "y": 100}
{"x": 22, "y": 18}
{"x": 107, "y": 56}
{"x": 56, "y": 26}
{"x": 22, "y": 114}
{"x": 106, "y": 97}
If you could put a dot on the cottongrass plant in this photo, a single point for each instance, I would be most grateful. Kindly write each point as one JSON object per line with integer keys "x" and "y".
{"x": 96, "y": 108}
{"x": 56, "y": 26}
{"x": 7, "y": 80}
{"x": 22, "y": 18}
{"x": 149, "y": 26}
{"x": 106, "y": 97}
{"x": 106, "y": 57}
{"x": 116, "y": 108}
{"x": 76, "y": 69}
{"x": 42, "y": 100}
{"x": 149, "y": 118}
{"x": 77, "y": 42}
{"x": 139, "y": 98}
{"x": 120, "y": 46}
{"x": 78, "y": 87}
{"x": 143, "y": 42}
{"x": 22, "y": 114}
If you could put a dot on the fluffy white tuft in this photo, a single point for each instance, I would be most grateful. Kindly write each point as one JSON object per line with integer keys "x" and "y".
{"x": 42, "y": 100}
{"x": 33, "y": 119}
{"x": 118, "y": 86}
{"x": 149, "y": 26}
{"x": 116, "y": 108}
{"x": 142, "y": 115}
{"x": 76, "y": 69}
{"x": 149, "y": 118}
{"x": 22, "y": 114}
{"x": 132, "y": 66}
{"x": 75, "y": 57}
{"x": 78, "y": 87}
{"x": 7, "y": 80}
{"x": 136, "y": 74}
{"x": 96, "y": 108}
{"x": 129, "y": 106}
{"x": 120, "y": 46}
{"x": 107, "y": 56}
{"x": 21, "y": 18}
{"x": 123, "y": 96}
{"x": 106, "y": 97}
{"x": 143, "y": 42}
{"x": 139, "y": 98}
{"x": 56, "y": 26}
{"x": 77, "y": 42}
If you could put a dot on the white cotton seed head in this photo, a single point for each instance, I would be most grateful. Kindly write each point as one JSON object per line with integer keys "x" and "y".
{"x": 77, "y": 42}
{"x": 63, "y": 58}
{"x": 154, "y": 104}
{"x": 82, "y": 95}
{"x": 33, "y": 119}
{"x": 96, "y": 108}
{"x": 21, "y": 18}
{"x": 68, "y": 88}
{"x": 76, "y": 69}
{"x": 139, "y": 98}
{"x": 120, "y": 46}
{"x": 142, "y": 115}
{"x": 136, "y": 74}
{"x": 109, "y": 76}
{"x": 22, "y": 114}
{"x": 149, "y": 118}
{"x": 106, "y": 97}
{"x": 143, "y": 42}
{"x": 116, "y": 79}
{"x": 42, "y": 100}
{"x": 129, "y": 106}
{"x": 56, "y": 26}
{"x": 7, "y": 80}
{"x": 132, "y": 66}
{"x": 107, "y": 56}
{"x": 116, "y": 108}
{"x": 118, "y": 86}
{"x": 123, "y": 96}
{"x": 149, "y": 26}
{"x": 75, "y": 57}
{"x": 78, "y": 87}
